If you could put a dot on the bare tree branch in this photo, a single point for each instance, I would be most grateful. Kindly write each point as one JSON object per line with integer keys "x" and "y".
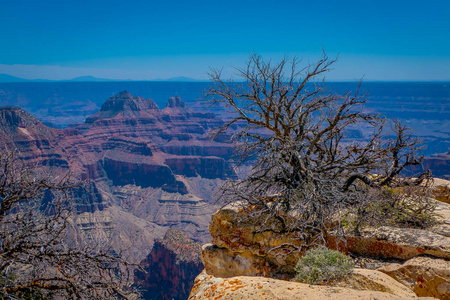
{"x": 294, "y": 133}
{"x": 34, "y": 257}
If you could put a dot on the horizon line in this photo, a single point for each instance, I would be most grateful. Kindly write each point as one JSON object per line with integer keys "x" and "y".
{"x": 185, "y": 79}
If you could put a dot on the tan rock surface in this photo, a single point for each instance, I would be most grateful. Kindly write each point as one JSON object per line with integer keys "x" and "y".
{"x": 221, "y": 262}
{"x": 372, "y": 280}
{"x": 442, "y": 212}
{"x": 208, "y": 287}
{"x": 440, "y": 181}
{"x": 405, "y": 243}
{"x": 231, "y": 228}
{"x": 426, "y": 276}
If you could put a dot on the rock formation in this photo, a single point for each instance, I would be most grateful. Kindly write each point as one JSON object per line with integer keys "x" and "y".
{"x": 125, "y": 105}
{"x": 170, "y": 268}
{"x": 416, "y": 261}
{"x": 36, "y": 142}
{"x": 255, "y": 288}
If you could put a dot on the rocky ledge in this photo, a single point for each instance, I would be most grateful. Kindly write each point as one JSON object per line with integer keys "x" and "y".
{"x": 374, "y": 285}
{"x": 393, "y": 263}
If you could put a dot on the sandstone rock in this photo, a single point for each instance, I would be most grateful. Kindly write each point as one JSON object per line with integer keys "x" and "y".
{"x": 123, "y": 103}
{"x": 221, "y": 262}
{"x": 401, "y": 243}
{"x": 404, "y": 243}
{"x": 426, "y": 276}
{"x": 245, "y": 287}
{"x": 442, "y": 229}
{"x": 175, "y": 102}
{"x": 372, "y": 280}
{"x": 233, "y": 229}
{"x": 240, "y": 249}
{"x": 36, "y": 143}
{"x": 170, "y": 268}
{"x": 442, "y": 212}
{"x": 440, "y": 181}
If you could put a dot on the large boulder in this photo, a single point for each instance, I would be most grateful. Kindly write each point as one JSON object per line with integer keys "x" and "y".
{"x": 372, "y": 280}
{"x": 232, "y": 228}
{"x": 222, "y": 262}
{"x": 426, "y": 276}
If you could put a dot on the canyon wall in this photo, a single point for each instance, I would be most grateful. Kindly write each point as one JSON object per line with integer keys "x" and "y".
{"x": 146, "y": 170}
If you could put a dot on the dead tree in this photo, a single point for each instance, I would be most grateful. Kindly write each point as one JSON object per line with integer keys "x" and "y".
{"x": 305, "y": 172}
{"x": 35, "y": 260}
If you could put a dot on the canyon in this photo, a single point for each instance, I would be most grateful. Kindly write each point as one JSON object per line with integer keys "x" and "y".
{"x": 150, "y": 176}
{"x": 144, "y": 169}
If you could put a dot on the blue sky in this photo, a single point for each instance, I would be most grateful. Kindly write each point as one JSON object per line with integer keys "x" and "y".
{"x": 380, "y": 40}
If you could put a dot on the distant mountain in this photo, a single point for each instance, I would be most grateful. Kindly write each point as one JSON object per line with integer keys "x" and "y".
{"x": 9, "y": 78}
{"x": 95, "y": 79}
{"x": 89, "y": 78}
{"x": 182, "y": 78}
{"x": 179, "y": 79}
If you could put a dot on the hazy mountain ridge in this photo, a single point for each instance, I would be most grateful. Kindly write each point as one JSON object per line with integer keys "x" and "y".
{"x": 88, "y": 78}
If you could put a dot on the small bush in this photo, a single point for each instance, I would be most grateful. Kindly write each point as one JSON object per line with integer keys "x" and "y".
{"x": 321, "y": 265}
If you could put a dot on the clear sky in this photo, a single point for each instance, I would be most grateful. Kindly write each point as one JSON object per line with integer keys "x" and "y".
{"x": 148, "y": 39}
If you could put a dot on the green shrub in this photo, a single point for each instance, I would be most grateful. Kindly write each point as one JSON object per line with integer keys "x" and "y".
{"x": 321, "y": 265}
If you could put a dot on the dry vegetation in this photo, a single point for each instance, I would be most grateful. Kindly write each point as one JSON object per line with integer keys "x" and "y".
{"x": 307, "y": 175}
{"x": 35, "y": 260}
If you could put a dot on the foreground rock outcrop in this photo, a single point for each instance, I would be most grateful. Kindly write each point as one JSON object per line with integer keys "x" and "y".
{"x": 411, "y": 262}
{"x": 426, "y": 276}
{"x": 208, "y": 287}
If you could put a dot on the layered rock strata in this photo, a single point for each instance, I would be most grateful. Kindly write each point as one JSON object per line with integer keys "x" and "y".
{"x": 170, "y": 268}
{"x": 152, "y": 168}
